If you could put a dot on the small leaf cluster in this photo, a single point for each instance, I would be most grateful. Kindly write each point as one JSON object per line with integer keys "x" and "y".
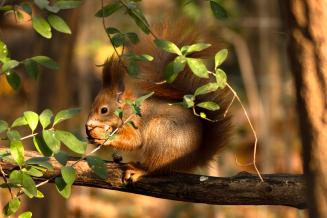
{"x": 135, "y": 106}
{"x": 43, "y": 24}
{"x": 220, "y": 83}
{"x": 131, "y": 8}
{"x": 132, "y": 60}
{"x": 31, "y": 65}
{"x": 119, "y": 38}
{"x": 43, "y": 21}
{"x": 176, "y": 66}
{"x": 47, "y": 142}
{"x": 198, "y": 68}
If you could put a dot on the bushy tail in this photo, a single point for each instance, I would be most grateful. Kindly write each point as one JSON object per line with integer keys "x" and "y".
{"x": 216, "y": 133}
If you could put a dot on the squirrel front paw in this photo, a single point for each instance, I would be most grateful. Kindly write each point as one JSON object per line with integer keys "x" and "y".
{"x": 133, "y": 172}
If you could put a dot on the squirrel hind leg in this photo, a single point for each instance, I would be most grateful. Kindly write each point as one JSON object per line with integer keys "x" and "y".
{"x": 133, "y": 172}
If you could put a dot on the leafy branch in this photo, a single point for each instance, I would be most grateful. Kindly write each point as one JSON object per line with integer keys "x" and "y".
{"x": 43, "y": 23}
{"x": 48, "y": 143}
{"x": 176, "y": 66}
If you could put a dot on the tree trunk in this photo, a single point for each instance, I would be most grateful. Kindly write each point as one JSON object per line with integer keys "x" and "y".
{"x": 307, "y": 20}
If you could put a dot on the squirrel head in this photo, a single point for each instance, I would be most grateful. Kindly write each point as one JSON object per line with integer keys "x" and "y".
{"x": 101, "y": 118}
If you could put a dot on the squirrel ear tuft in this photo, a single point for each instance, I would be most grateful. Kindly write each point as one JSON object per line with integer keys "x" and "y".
{"x": 113, "y": 74}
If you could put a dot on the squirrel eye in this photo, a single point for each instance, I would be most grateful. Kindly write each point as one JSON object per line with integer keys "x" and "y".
{"x": 104, "y": 110}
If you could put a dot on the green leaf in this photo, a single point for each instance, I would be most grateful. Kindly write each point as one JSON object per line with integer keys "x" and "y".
{"x": 61, "y": 157}
{"x": 33, "y": 171}
{"x": 118, "y": 40}
{"x": 218, "y": 11}
{"x": 32, "y": 119}
{"x": 13, "y": 135}
{"x": 133, "y": 37}
{"x": 9, "y": 65}
{"x": 17, "y": 151}
{"x": 46, "y": 62}
{"x": 132, "y": 124}
{"x": 138, "y": 17}
{"x": 3, "y": 50}
{"x": 108, "y": 10}
{"x": 31, "y": 68}
{"x": 220, "y": 57}
{"x": 26, "y": 214}
{"x": 169, "y": 73}
{"x": 41, "y": 3}
{"x": 203, "y": 115}
{"x": 209, "y": 105}
{"x": 68, "y": 174}
{"x": 11, "y": 207}
{"x": 188, "y": 101}
{"x": 179, "y": 64}
{"x": 63, "y": 188}
{"x": 136, "y": 109}
{"x": 112, "y": 30}
{"x": 65, "y": 114}
{"x": 41, "y": 26}
{"x": 29, "y": 186}
{"x": 198, "y": 67}
{"x": 119, "y": 113}
{"x": 45, "y": 118}
{"x": 135, "y": 57}
{"x": 167, "y": 46}
{"x": 68, "y": 4}
{"x": 6, "y": 8}
{"x": 26, "y": 7}
{"x": 71, "y": 141}
{"x": 3, "y": 126}
{"x": 140, "y": 100}
{"x": 52, "y": 8}
{"x": 186, "y": 50}
{"x": 40, "y": 161}
{"x": 207, "y": 88}
{"x": 174, "y": 68}
{"x": 221, "y": 78}
{"x": 16, "y": 177}
{"x": 133, "y": 68}
{"x": 20, "y": 121}
{"x": 39, "y": 194}
{"x": 41, "y": 146}
{"x": 59, "y": 24}
{"x": 19, "y": 16}
{"x": 98, "y": 166}
{"x": 13, "y": 79}
{"x": 50, "y": 139}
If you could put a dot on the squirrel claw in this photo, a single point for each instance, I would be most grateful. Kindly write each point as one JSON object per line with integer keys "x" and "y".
{"x": 132, "y": 174}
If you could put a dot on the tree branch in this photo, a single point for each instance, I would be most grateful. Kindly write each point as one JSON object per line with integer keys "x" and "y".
{"x": 242, "y": 189}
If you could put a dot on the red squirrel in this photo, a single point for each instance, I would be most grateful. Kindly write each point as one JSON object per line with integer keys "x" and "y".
{"x": 168, "y": 137}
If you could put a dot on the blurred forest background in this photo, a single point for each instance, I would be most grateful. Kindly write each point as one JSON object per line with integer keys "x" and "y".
{"x": 257, "y": 67}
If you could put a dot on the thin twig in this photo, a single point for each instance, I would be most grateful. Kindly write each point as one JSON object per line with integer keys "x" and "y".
{"x": 3, "y": 174}
{"x": 252, "y": 128}
{"x": 105, "y": 28}
{"x": 29, "y": 136}
{"x": 230, "y": 104}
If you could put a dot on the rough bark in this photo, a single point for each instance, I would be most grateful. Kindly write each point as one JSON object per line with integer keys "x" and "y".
{"x": 307, "y": 21}
{"x": 242, "y": 189}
